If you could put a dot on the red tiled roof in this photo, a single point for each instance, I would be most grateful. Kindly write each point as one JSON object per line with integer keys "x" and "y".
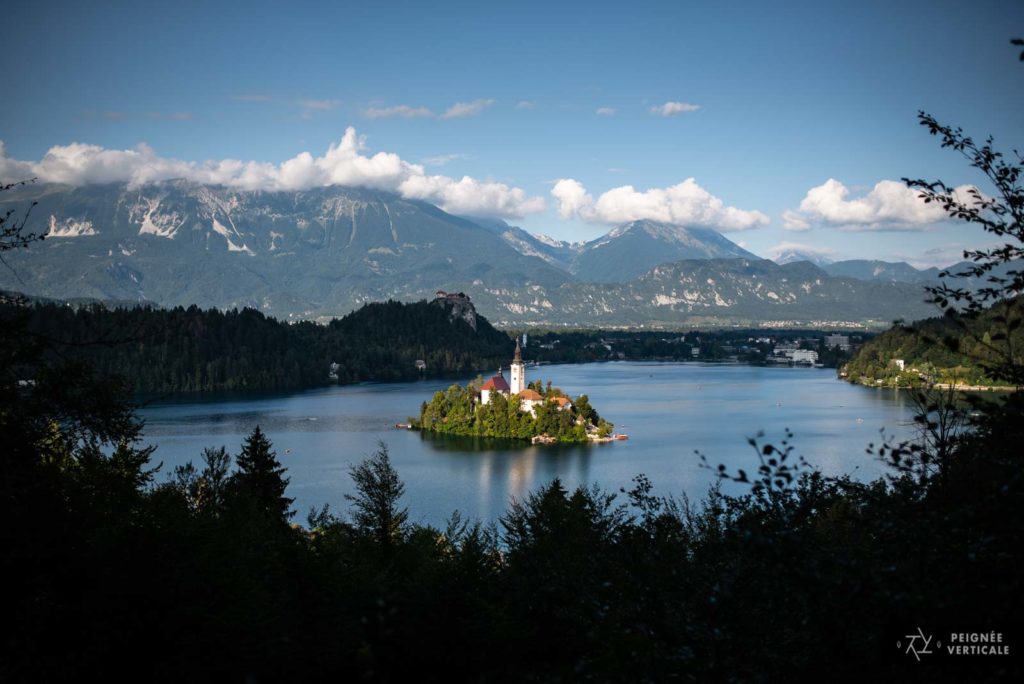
{"x": 561, "y": 401}
{"x": 496, "y": 383}
{"x": 530, "y": 395}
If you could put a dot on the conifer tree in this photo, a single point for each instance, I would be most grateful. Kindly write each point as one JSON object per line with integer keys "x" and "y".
{"x": 261, "y": 476}
{"x": 375, "y": 507}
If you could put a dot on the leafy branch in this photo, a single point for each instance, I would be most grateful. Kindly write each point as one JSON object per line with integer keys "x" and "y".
{"x": 777, "y": 469}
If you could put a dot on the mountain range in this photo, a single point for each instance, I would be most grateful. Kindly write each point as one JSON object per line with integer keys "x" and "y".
{"x": 323, "y": 252}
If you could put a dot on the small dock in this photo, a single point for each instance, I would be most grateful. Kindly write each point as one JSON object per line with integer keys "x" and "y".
{"x": 610, "y": 438}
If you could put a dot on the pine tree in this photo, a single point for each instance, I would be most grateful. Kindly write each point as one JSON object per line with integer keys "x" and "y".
{"x": 261, "y": 476}
{"x": 375, "y": 505}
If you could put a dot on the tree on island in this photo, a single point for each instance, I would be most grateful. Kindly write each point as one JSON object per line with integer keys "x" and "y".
{"x": 585, "y": 410}
{"x": 457, "y": 411}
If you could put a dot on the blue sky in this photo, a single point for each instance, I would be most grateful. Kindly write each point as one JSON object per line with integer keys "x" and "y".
{"x": 764, "y": 102}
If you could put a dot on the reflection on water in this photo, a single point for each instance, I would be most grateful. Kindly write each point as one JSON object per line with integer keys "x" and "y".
{"x": 669, "y": 410}
{"x": 506, "y": 468}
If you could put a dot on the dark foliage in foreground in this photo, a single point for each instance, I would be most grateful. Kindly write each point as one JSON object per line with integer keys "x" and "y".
{"x": 201, "y": 576}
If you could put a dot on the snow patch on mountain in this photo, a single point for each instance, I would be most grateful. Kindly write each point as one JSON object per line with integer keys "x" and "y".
{"x": 153, "y": 223}
{"x": 219, "y": 228}
{"x": 68, "y": 227}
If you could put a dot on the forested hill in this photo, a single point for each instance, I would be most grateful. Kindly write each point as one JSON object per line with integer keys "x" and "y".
{"x": 943, "y": 350}
{"x": 188, "y": 350}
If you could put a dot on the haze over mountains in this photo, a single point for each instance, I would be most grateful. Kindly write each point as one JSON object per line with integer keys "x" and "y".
{"x": 323, "y": 252}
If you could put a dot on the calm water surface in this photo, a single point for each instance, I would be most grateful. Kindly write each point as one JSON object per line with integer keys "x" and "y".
{"x": 669, "y": 410}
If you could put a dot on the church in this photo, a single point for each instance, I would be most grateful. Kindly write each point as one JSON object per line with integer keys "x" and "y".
{"x": 498, "y": 382}
{"x": 516, "y": 385}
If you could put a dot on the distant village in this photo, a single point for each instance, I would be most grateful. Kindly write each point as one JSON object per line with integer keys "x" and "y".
{"x": 795, "y": 348}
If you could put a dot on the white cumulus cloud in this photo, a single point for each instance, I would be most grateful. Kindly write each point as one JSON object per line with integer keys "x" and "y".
{"x": 573, "y": 199}
{"x": 674, "y": 108}
{"x": 344, "y": 163}
{"x": 683, "y": 204}
{"x": 889, "y": 205}
{"x": 605, "y": 111}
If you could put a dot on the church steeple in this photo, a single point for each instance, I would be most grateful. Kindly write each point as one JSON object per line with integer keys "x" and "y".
{"x": 517, "y": 371}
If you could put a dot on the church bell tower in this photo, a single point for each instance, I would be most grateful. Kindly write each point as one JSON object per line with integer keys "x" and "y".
{"x": 518, "y": 372}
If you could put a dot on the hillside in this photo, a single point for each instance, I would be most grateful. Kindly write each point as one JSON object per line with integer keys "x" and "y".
{"x": 871, "y": 269}
{"x": 942, "y": 350}
{"x": 185, "y": 350}
{"x": 732, "y": 292}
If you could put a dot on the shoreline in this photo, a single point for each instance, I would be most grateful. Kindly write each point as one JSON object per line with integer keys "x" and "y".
{"x": 939, "y": 386}
{"x": 216, "y": 395}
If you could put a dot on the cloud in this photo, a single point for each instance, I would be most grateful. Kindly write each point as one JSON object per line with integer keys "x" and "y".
{"x": 309, "y": 107}
{"x": 113, "y": 115}
{"x": 469, "y": 196}
{"x": 890, "y": 205}
{"x": 810, "y": 250}
{"x": 344, "y": 163}
{"x": 526, "y": 104}
{"x": 404, "y": 111}
{"x": 442, "y": 159}
{"x": 684, "y": 204}
{"x": 573, "y": 199}
{"x": 463, "y": 109}
{"x": 458, "y": 110}
{"x": 794, "y": 221}
{"x": 605, "y": 111}
{"x": 320, "y": 105}
{"x": 674, "y": 108}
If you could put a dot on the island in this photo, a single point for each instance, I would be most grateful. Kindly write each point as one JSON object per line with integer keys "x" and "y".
{"x": 513, "y": 409}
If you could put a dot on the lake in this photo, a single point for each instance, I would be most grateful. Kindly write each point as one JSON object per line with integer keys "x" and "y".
{"x": 669, "y": 410}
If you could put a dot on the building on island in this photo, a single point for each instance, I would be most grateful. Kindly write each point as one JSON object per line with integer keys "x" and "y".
{"x": 495, "y": 384}
{"x": 529, "y": 399}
